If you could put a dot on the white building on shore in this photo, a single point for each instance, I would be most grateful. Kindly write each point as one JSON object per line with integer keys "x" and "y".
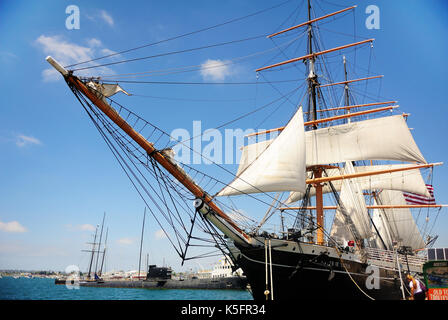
{"x": 222, "y": 269}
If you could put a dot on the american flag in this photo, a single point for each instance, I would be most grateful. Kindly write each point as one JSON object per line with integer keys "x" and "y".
{"x": 412, "y": 198}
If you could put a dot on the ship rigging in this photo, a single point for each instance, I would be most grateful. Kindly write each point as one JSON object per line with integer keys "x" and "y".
{"x": 322, "y": 152}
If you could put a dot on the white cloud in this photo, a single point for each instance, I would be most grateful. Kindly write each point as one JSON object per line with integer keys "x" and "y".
{"x": 13, "y": 226}
{"x": 125, "y": 241}
{"x": 23, "y": 141}
{"x": 94, "y": 42}
{"x": 215, "y": 70}
{"x": 106, "y": 51}
{"x": 67, "y": 53}
{"x": 107, "y": 18}
{"x": 160, "y": 234}
{"x": 64, "y": 51}
{"x": 86, "y": 227}
{"x": 80, "y": 227}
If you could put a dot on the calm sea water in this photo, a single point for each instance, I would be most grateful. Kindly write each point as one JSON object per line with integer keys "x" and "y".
{"x": 45, "y": 289}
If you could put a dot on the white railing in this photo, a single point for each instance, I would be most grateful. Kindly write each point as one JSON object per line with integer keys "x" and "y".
{"x": 388, "y": 258}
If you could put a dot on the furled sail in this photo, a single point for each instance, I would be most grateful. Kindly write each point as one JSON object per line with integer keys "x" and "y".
{"x": 401, "y": 223}
{"x": 279, "y": 167}
{"x": 407, "y": 181}
{"x": 106, "y": 90}
{"x": 354, "y": 206}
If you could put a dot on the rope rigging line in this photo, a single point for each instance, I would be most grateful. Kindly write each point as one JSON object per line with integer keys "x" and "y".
{"x": 193, "y": 100}
{"x": 200, "y": 66}
{"x": 163, "y": 133}
{"x": 119, "y": 159}
{"x": 130, "y": 150}
{"x": 129, "y": 171}
{"x": 145, "y": 179}
{"x": 171, "y": 53}
{"x": 244, "y": 115}
{"x": 182, "y": 35}
{"x": 195, "y": 83}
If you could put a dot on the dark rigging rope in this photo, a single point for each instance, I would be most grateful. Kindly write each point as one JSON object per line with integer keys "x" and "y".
{"x": 182, "y": 35}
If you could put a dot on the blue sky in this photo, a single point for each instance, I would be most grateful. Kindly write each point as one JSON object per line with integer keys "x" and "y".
{"x": 58, "y": 176}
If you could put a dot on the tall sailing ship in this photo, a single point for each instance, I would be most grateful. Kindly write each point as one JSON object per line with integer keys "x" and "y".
{"x": 369, "y": 169}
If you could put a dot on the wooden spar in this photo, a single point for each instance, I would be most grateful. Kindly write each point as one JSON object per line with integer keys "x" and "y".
{"x": 348, "y": 81}
{"x": 264, "y": 132}
{"x": 343, "y": 116}
{"x": 357, "y": 106}
{"x": 369, "y": 173}
{"x": 392, "y": 206}
{"x": 349, "y": 115}
{"x": 171, "y": 167}
{"x": 312, "y": 55}
{"x": 310, "y": 21}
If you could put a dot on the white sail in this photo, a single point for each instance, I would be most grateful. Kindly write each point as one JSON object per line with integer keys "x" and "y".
{"x": 341, "y": 232}
{"x": 354, "y": 206}
{"x": 280, "y": 167}
{"x": 381, "y": 238}
{"x": 250, "y": 153}
{"x": 387, "y": 138}
{"x": 407, "y": 181}
{"x": 401, "y": 223}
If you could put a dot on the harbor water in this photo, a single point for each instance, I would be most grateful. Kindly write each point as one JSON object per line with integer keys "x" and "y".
{"x": 45, "y": 289}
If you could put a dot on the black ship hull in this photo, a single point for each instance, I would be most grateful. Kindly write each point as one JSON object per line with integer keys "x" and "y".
{"x": 315, "y": 275}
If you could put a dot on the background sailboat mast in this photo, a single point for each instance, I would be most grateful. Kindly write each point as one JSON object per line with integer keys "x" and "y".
{"x": 99, "y": 244}
{"x": 104, "y": 253}
{"x": 312, "y": 83}
{"x": 93, "y": 253}
{"x": 141, "y": 245}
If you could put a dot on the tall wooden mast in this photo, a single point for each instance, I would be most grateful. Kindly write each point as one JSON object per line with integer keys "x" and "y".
{"x": 346, "y": 95}
{"x": 312, "y": 85}
{"x": 317, "y": 171}
{"x": 312, "y": 77}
